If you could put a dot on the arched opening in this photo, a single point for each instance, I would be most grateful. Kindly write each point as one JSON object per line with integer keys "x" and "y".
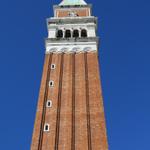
{"x": 75, "y": 33}
{"x": 83, "y": 33}
{"x": 46, "y": 127}
{"x": 67, "y": 34}
{"x": 51, "y": 83}
{"x": 49, "y": 103}
{"x": 59, "y": 34}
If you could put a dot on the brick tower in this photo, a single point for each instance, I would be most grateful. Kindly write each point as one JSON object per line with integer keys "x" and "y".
{"x": 70, "y": 114}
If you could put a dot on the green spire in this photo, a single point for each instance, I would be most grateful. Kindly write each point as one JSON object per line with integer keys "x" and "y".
{"x": 72, "y": 2}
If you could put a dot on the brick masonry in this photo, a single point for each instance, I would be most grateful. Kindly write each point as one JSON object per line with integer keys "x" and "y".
{"x": 76, "y": 117}
{"x": 81, "y": 13}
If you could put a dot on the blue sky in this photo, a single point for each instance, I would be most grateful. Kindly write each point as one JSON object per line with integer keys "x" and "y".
{"x": 124, "y": 28}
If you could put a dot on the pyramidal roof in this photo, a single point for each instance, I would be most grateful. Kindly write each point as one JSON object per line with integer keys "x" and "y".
{"x": 72, "y": 2}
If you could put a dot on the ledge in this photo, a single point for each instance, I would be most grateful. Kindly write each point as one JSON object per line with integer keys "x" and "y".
{"x": 64, "y": 40}
{"x": 72, "y": 6}
{"x": 72, "y": 20}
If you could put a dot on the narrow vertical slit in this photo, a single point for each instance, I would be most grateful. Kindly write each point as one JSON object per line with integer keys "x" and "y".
{"x": 59, "y": 103}
{"x": 87, "y": 103}
{"x": 45, "y": 99}
{"x": 73, "y": 102}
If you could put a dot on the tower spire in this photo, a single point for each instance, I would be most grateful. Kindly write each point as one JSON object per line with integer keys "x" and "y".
{"x": 72, "y": 2}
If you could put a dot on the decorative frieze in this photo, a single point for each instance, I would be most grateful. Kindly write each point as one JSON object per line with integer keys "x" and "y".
{"x": 71, "y": 48}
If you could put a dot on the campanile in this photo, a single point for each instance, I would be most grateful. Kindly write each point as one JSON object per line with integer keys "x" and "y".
{"x": 70, "y": 113}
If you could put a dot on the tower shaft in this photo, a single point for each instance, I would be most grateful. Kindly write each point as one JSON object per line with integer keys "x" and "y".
{"x": 70, "y": 113}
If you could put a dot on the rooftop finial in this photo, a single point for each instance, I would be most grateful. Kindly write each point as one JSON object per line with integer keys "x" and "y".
{"x": 72, "y": 2}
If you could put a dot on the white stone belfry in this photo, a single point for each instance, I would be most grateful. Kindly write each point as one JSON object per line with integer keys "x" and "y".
{"x": 72, "y": 29}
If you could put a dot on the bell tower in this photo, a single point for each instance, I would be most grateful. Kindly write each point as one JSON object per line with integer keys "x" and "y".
{"x": 70, "y": 113}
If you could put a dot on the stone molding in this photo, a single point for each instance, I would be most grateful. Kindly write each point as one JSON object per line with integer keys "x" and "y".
{"x": 75, "y": 49}
{"x": 71, "y": 45}
{"x": 71, "y": 20}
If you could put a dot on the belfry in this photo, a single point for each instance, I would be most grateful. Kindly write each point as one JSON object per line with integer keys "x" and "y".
{"x": 70, "y": 113}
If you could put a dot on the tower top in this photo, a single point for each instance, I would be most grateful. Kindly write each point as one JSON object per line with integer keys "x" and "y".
{"x": 72, "y": 2}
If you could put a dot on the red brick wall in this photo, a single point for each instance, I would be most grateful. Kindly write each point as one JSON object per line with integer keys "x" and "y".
{"x": 81, "y": 132}
{"x": 37, "y": 133}
{"x": 97, "y": 120}
{"x": 48, "y": 141}
{"x": 80, "y": 12}
{"x": 76, "y": 118}
{"x": 65, "y": 129}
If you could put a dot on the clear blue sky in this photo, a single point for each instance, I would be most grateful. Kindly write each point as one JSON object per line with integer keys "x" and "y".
{"x": 124, "y": 28}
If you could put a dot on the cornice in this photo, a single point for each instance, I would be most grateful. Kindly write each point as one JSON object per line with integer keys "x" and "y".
{"x": 72, "y": 20}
